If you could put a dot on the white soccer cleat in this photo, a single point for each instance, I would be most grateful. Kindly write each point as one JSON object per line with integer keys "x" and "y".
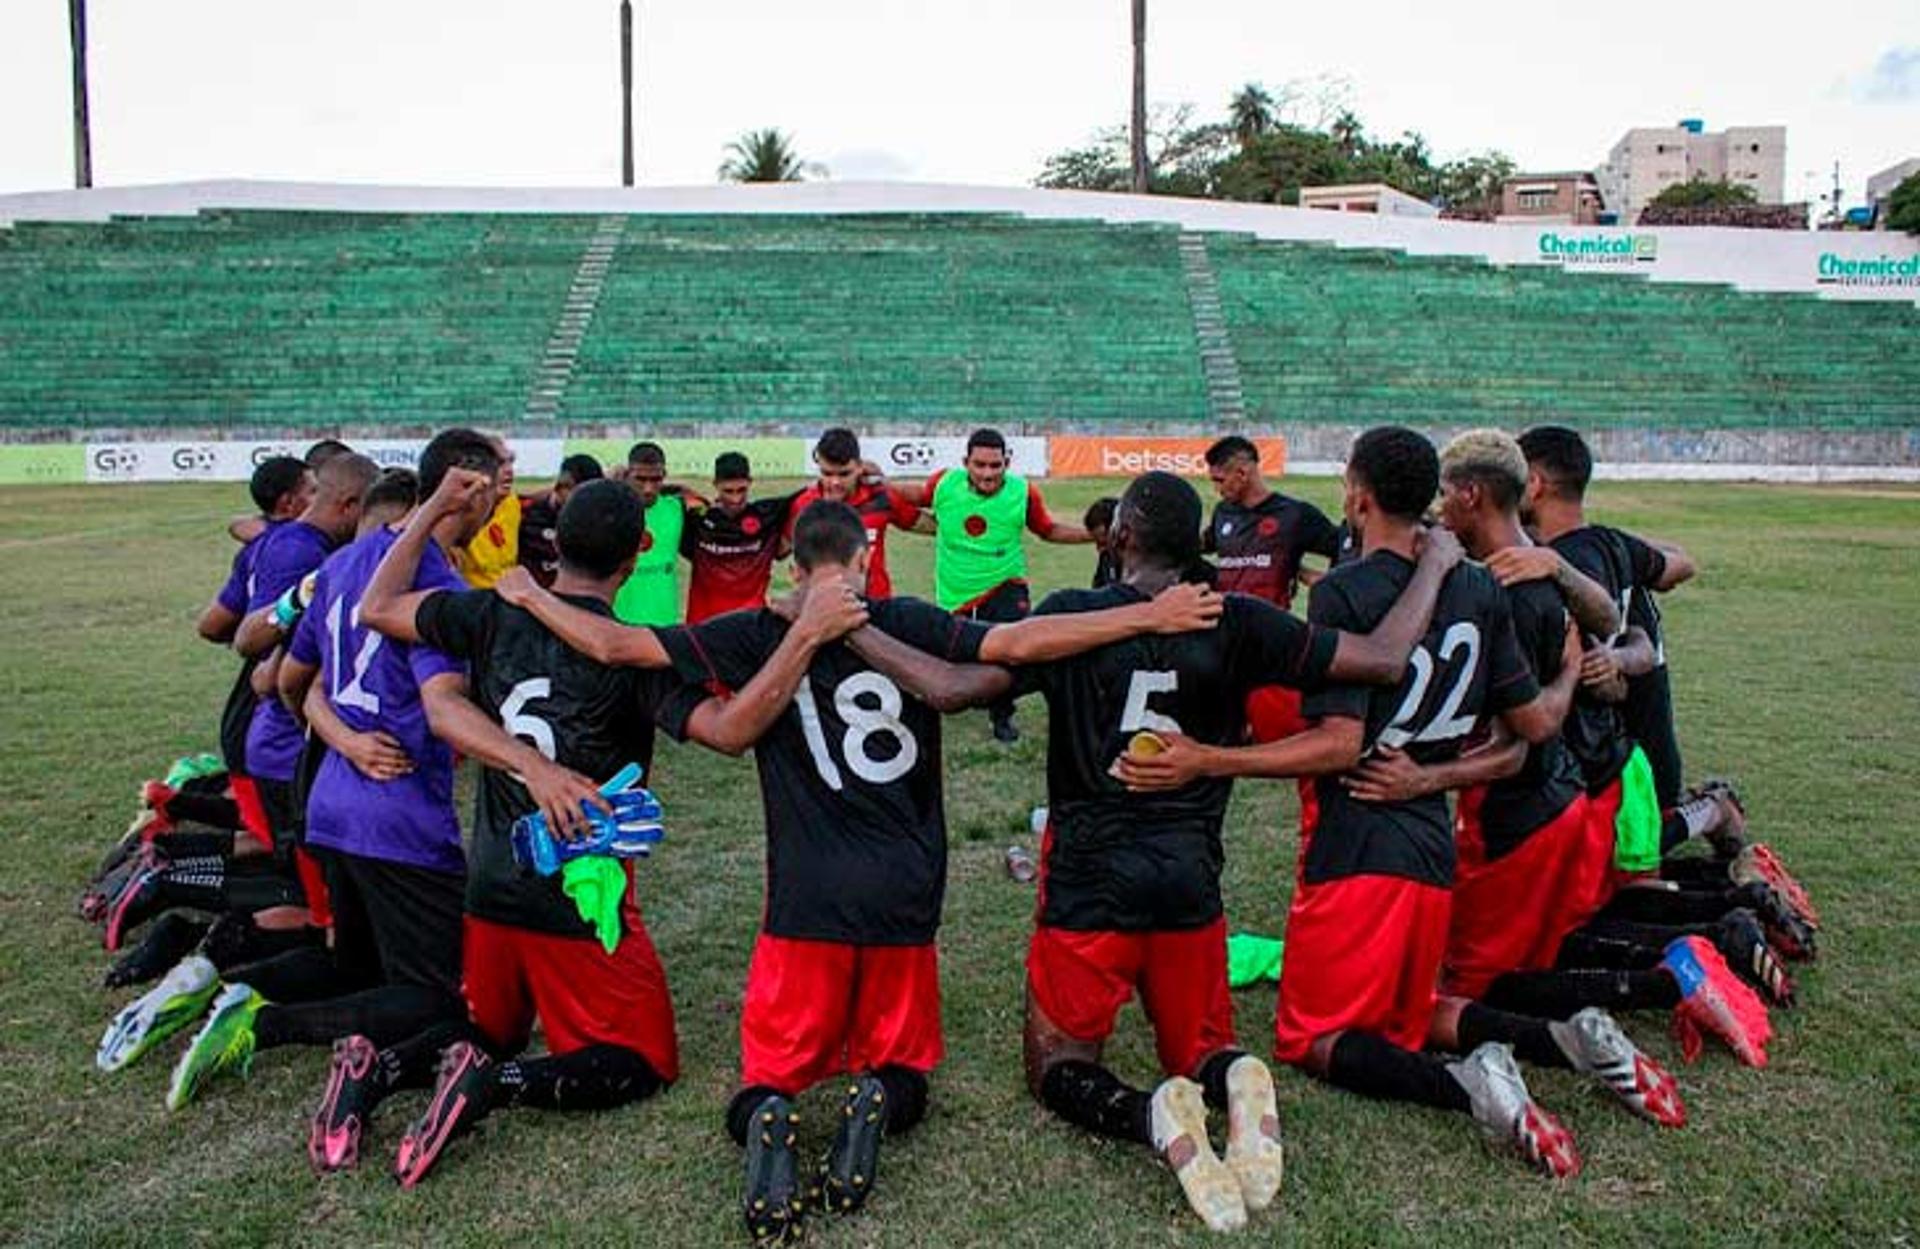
{"x": 1180, "y": 1136}
{"x": 1507, "y": 1112}
{"x": 1254, "y": 1152}
{"x": 168, "y": 1007}
{"x": 1597, "y": 1046}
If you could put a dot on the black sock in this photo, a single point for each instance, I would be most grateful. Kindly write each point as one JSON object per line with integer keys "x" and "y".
{"x": 384, "y": 1015}
{"x": 208, "y": 809}
{"x": 1212, "y": 1076}
{"x": 1654, "y": 905}
{"x": 598, "y": 1077}
{"x": 740, "y": 1110}
{"x": 235, "y": 939}
{"x": 1089, "y": 1096}
{"x": 1531, "y": 1038}
{"x": 1657, "y": 936}
{"x": 906, "y": 1097}
{"x": 194, "y": 882}
{"x": 306, "y": 974}
{"x": 250, "y": 891}
{"x": 1559, "y": 994}
{"x": 177, "y": 846}
{"x": 1703, "y": 872}
{"x": 1600, "y": 946}
{"x": 413, "y": 1063}
{"x": 1373, "y": 1066}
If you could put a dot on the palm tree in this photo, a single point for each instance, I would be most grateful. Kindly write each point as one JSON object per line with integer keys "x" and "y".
{"x": 765, "y": 156}
{"x": 1251, "y": 113}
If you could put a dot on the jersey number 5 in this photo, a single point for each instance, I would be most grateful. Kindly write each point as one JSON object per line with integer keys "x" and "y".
{"x": 863, "y": 723}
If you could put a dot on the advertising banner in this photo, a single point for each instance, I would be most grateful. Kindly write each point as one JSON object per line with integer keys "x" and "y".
{"x": 209, "y": 460}
{"x": 42, "y": 464}
{"x": 1113, "y": 456}
{"x": 916, "y": 457}
{"x": 691, "y": 459}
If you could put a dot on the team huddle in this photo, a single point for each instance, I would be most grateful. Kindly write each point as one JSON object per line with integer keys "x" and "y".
{"x": 1468, "y": 631}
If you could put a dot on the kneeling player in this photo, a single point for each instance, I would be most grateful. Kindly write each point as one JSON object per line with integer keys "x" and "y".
{"x": 844, "y": 977}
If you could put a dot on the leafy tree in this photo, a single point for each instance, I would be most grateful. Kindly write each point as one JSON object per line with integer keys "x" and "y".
{"x": 1475, "y": 181}
{"x": 766, "y": 156}
{"x": 1251, "y": 114}
{"x": 1903, "y": 206}
{"x": 1700, "y": 193}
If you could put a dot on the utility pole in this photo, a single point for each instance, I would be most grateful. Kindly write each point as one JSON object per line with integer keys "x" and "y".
{"x": 1140, "y": 97}
{"x": 82, "y": 130}
{"x": 626, "y": 92}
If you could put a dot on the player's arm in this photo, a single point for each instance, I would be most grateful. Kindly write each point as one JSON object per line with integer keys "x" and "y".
{"x": 941, "y": 684}
{"x": 1380, "y": 657}
{"x": 244, "y": 529}
{"x": 1331, "y": 744}
{"x": 1043, "y": 526}
{"x": 218, "y": 623}
{"x": 1390, "y": 775}
{"x": 456, "y": 720}
{"x": 292, "y": 683}
{"x": 831, "y": 610}
{"x": 599, "y": 638}
{"x": 389, "y": 604}
{"x": 1540, "y": 719}
{"x": 377, "y": 755}
{"x": 265, "y": 680}
{"x": 1680, "y": 566}
{"x": 1586, "y": 598}
{"x": 1605, "y": 666}
{"x": 1040, "y": 639}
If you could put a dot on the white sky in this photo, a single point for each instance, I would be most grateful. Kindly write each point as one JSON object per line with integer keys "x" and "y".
{"x": 526, "y": 92}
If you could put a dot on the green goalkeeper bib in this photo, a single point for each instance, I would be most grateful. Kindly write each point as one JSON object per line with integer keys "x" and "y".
{"x": 978, "y": 547}
{"x": 651, "y": 596}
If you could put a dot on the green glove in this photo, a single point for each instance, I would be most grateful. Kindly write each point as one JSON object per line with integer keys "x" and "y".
{"x": 1636, "y": 830}
{"x": 192, "y": 768}
{"x": 597, "y": 883}
{"x": 1251, "y": 959}
{"x": 292, "y": 604}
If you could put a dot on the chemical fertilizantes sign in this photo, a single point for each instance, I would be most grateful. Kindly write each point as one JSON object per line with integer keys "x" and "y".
{"x": 1880, "y": 271}
{"x": 1595, "y": 250}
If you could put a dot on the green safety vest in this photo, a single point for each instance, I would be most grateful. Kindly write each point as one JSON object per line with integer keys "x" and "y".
{"x": 978, "y": 547}
{"x": 651, "y": 596}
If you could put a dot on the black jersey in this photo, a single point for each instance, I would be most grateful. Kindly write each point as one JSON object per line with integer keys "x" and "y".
{"x": 1467, "y": 667}
{"x": 1125, "y": 861}
{"x": 1520, "y": 805}
{"x": 1596, "y": 731}
{"x": 1346, "y": 545}
{"x": 581, "y": 714}
{"x": 732, "y": 554}
{"x": 1258, "y": 548}
{"x": 849, "y": 777}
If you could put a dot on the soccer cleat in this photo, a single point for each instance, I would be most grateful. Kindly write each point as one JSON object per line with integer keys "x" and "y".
{"x": 1728, "y": 836}
{"x": 853, "y": 1162}
{"x": 136, "y": 901}
{"x": 1180, "y": 1136}
{"x": 1743, "y": 943}
{"x": 98, "y": 896}
{"x": 224, "y": 1043}
{"x": 774, "y": 1212}
{"x": 1599, "y": 1048}
{"x": 1254, "y": 1153}
{"x": 460, "y": 1100}
{"x": 170, "y": 938}
{"x": 1787, "y": 930}
{"x": 157, "y": 1014}
{"x": 1758, "y": 863}
{"x": 149, "y": 823}
{"x": 1713, "y": 999}
{"x": 333, "y": 1142}
{"x": 1507, "y": 1112}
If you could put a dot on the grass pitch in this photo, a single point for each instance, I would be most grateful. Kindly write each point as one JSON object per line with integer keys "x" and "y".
{"x": 1794, "y": 671}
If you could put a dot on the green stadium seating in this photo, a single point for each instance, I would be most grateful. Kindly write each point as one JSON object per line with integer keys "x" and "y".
{"x": 280, "y": 318}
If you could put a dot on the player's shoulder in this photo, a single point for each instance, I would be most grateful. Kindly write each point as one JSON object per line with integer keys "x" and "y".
{"x": 1076, "y": 600}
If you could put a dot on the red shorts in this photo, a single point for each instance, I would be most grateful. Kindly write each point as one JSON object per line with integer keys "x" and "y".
{"x": 814, "y": 1009}
{"x": 1364, "y": 954}
{"x": 1603, "y": 836}
{"x": 313, "y": 883}
{"x": 1080, "y": 980}
{"x": 1511, "y": 913}
{"x": 253, "y": 813}
{"x": 1273, "y": 712}
{"x": 582, "y": 994}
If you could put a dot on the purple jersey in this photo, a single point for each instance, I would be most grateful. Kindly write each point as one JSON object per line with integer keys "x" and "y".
{"x": 373, "y": 684}
{"x": 283, "y": 556}
{"x": 234, "y": 591}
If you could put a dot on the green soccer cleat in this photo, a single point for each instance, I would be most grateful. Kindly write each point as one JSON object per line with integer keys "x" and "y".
{"x": 224, "y": 1043}
{"x": 179, "y": 999}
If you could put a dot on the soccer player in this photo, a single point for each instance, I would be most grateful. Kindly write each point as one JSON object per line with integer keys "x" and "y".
{"x": 1258, "y": 535}
{"x": 843, "y": 477}
{"x": 379, "y": 818}
{"x": 651, "y": 596}
{"x": 1368, "y": 923}
{"x": 244, "y": 529}
{"x": 546, "y": 718}
{"x": 979, "y": 558}
{"x": 1099, "y": 525}
{"x": 1130, "y": 895}
{"x": 1657, "y": 568}
{"x": 844, "y": 976}
{"x": 540, "y": 516}
{"x": 731, "y": 542}
{"x": 495, "y": 548}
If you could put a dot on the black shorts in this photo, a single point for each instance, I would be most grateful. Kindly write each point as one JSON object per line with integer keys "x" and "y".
{"x": 1007, "y": 602}
{"x": 392, "y": 923}
{"x": 1649, "y": 715}
{"x": 286, "y": 817}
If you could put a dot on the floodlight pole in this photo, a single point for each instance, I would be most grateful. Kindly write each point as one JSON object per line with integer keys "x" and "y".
{"x": 82, "y": 134}
{"x": 1140, "y": 97}
{"x": 626, "y": 92}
